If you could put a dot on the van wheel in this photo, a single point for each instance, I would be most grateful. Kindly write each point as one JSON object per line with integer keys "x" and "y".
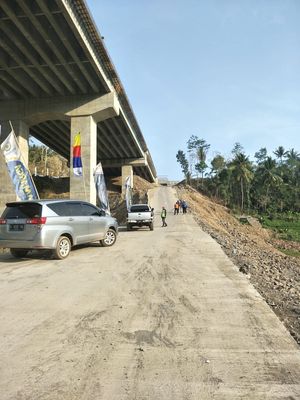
{"x": 63, "y": 248}
{"x": 110, "y": 238}
{"x": 151, "y": 226}
{"x": 18, "y": 253}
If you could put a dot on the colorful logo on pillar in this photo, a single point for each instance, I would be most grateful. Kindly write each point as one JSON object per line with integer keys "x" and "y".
{"x": 77, "y": 163}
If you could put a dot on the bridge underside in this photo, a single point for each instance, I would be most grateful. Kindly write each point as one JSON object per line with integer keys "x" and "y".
{"x": 44, "y": 50}
{"x": 113, "y": 148}
{"x": 56, "y": 77}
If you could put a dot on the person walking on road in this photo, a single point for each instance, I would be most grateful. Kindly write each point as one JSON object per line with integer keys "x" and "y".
{"x": 180, "y": 205}
{"x": 176, "y": 208}
{"x": 163, "y": 216}
{"x": 184, "y": 207}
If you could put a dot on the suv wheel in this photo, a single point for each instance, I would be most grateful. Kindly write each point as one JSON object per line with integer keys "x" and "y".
{"x": 63, "y": 248}
{"x": 18, "y": 253}
{"x": 110, "y": 238}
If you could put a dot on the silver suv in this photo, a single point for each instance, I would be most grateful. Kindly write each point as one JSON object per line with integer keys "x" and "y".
{"x": 54, "y": 224}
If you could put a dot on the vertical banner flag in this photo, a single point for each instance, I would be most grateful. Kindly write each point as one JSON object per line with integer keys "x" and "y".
{"x": 19, "y": 173}
{"x": 128, "y": 192}
{"x": 101, "y": 188}
{"x": 77, "y": 163}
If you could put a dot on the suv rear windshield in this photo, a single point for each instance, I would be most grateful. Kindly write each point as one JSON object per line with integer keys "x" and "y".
{"x": 22, "y": 210}
{"x": 140, "y": 208}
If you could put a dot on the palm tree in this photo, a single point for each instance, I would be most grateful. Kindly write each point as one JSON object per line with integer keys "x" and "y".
{"x": 293, "y": 156}
{"x": 280, "y": 153}
{"x": 242, "y": 172}
{"x": 293, "y": 164}
{"x": 268, "y": 175}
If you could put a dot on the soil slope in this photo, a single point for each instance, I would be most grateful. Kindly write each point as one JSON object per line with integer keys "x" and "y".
{"x": 275, "y": 275}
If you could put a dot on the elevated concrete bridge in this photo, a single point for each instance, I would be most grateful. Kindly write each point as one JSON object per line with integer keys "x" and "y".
{"x": 57, "y": 79}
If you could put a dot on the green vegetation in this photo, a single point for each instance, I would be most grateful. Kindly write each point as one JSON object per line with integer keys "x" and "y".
{"x": 290, "y": 252}
{"x": 267, "y": 186}
{"x": 287, "y": 226}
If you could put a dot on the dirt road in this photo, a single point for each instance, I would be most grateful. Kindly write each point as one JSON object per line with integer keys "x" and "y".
{"x": 161, "y": 315}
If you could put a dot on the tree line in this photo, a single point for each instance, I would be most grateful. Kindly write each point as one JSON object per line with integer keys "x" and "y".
{"x": 269, "y": 183}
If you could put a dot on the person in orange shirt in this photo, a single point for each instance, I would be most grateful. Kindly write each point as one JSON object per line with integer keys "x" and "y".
{"x": 176, "y": 208}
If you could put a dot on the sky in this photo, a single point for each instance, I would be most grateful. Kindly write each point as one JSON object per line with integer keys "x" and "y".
{"x": 226, "y": 71}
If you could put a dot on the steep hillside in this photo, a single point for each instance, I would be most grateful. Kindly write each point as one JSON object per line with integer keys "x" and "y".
{"x": 275, "y": 275}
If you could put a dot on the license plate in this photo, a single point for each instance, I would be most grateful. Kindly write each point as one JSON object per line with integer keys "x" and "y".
{"x": 16, "y": 227}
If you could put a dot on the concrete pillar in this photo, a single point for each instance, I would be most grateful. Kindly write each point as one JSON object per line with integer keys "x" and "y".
{"x": 127, "y": 170}
{"x": 22, "y": 132}
{"x": 7, "y": 192}
{"x": 83, "y": 188}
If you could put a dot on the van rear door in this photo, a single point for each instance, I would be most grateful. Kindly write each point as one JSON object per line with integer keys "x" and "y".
{"x": 18, "y": 221}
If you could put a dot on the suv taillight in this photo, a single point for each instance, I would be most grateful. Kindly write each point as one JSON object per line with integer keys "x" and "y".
{"x": 3, "y": 221}
{"x": 37, "y": 221}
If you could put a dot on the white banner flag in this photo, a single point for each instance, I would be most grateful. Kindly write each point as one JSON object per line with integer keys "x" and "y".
{"x": 101, "y": 188}
{"x": 128, "y": 192}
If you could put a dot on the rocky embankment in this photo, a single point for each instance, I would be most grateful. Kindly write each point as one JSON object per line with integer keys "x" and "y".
{"x": 275, "y": 275}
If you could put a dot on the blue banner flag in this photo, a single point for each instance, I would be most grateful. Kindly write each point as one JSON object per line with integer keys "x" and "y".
{"x": 20, "y": 175}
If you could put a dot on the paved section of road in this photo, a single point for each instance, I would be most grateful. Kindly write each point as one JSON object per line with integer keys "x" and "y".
{"x": 161, "y": 315}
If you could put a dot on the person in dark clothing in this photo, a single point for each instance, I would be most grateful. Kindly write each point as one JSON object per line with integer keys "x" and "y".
{"x": 180, "y": 205}
{"x": 163, "y": 216}
{"x": 184, "y": 207}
